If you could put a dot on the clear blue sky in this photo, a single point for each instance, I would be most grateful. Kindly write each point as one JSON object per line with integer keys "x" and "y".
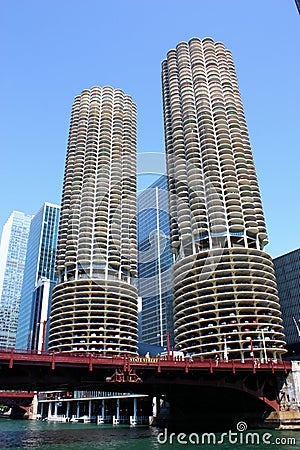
{"x": 53, "y": 49}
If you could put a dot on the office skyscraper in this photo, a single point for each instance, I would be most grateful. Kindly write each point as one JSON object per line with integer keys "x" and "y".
{"x": 155, "y": 261}
{"x": 94, "y": 305}
{"x": 287, "y": 270}
{"x": 40, "y": 265}
{"x": 225, "y": 294}
{"x": 12, "y": 260}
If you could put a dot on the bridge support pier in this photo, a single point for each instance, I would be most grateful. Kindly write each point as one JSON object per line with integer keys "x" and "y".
{"x": 103, "y": 409}
{"x": 90, "y": 408}
{"x": 133, "y": 419}
{"x": 34, "y": 408}
{"x": 49, "y": 410}
{"x": 42, "y": 409}
{"x": 118, "y": 409}
{"x": 68, "y": 410}
{"x": 78, "y": 409}
{"x": 155, "y": 406}
{"x": 55, "y": 408}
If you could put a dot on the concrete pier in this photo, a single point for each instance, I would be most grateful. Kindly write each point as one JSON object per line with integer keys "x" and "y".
{"x": 94, "y": 406}
{"x": 288, "y": 417}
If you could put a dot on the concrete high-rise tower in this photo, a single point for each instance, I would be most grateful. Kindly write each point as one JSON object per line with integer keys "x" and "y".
{"x": 94, "y": 305}
{"x": 12, "y": 261}
{"x": 225, "y": 294}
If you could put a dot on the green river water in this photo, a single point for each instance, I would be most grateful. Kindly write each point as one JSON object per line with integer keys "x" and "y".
{"x": 27, "y": 434}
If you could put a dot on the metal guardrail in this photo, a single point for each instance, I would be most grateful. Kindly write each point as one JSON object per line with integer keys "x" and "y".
{"x": 128, "y": 362}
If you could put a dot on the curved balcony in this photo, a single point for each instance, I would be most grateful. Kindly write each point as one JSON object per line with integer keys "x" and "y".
{"x": 226, "y": 294}
{"x": 97, "y": 306}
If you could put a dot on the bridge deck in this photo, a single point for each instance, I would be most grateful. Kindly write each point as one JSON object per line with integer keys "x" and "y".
{"x": 18, "y": 357}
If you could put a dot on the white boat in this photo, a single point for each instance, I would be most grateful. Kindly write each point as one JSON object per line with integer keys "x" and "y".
{"x": 58, "y": 419}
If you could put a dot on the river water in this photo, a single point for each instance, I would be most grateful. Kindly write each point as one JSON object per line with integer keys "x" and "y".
{"x": 30, "y": 434}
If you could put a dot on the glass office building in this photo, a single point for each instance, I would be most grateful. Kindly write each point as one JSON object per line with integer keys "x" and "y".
{"x": 287, "y": 270}
{"x": 40, "y": 264}
{"x": 12, "y": 261}
{"x": 155, "y": 263}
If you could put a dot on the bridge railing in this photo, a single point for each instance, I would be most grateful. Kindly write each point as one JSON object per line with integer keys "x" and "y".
{"x": 129, "y": 362}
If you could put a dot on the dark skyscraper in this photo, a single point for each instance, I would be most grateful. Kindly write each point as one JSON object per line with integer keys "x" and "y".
{"x": 287, "y": 270}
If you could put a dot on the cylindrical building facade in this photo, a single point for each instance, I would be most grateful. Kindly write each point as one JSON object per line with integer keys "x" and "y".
{"x": 225, "y": 295}
{"x": 94, "y": 305}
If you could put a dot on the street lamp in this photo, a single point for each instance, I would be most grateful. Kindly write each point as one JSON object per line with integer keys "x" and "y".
{"x": 168, "y": 343}
{"x": 264, "y": 346}
{"x": 225, "y": 351}
{"x": 251, "y": 348}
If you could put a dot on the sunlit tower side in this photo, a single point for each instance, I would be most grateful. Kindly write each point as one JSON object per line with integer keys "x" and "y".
{"x": 39, "y": 270}
{"x": 225, "y": 294}
{"x": 94, "y": 306}
{"x": 13, "y": 246}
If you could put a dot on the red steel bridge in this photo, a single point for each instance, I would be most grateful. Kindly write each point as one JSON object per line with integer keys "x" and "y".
{"x": 18, "y": 402}
{"x": 251, "y": 385}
